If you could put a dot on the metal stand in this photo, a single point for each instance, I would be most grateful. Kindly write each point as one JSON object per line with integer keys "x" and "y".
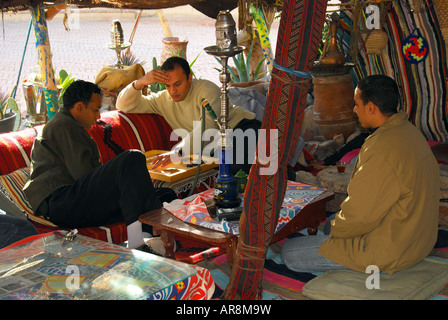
{"x": 117, "y": 43}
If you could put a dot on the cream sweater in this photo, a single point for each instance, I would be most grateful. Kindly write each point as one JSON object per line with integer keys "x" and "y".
{"x": 184, "y": 116}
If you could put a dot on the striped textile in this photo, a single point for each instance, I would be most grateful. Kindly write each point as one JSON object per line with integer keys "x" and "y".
{"x": 423, "y": 86}
{"x": 11, "y": 185}
{"x": 123, "y": 131}
{"x": 15, "y": 149}
{"x": 298, "y": 40}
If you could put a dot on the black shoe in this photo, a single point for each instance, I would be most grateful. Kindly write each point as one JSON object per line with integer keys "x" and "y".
{"x": 148, "y": 249}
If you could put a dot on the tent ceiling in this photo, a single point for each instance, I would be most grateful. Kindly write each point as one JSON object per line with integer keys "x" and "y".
{"x": 210, "y": 8}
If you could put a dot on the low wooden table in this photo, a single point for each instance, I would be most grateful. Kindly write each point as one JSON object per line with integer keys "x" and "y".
{"x": 168, "y": 226}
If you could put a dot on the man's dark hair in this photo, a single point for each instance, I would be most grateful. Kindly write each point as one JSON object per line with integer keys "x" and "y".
{"x": 173, "y": 62}
{"x": 382, "y": 91}
{"x": 79, "y": 90}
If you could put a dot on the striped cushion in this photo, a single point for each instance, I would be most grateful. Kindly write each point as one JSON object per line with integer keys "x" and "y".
{"x": 15, "y": 149}
{"x": 11, "y": 185}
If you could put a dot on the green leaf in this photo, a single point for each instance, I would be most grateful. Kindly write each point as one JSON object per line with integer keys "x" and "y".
{"x": 62, "y": 76}
{"x": 12, "y": 104}
{"x": 249, "y": 58}
{"x": 64, "y": 85}
{"x": 192, "y": 63}
{"x": 257, "y": 73}
{"x": 233, "y": 76}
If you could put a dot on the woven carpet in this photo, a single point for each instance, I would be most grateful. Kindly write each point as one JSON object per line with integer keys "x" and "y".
{"x": 278, "y": 282}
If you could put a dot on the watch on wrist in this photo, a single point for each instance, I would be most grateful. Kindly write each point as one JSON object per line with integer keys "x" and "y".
{"x": 178, "y": 151}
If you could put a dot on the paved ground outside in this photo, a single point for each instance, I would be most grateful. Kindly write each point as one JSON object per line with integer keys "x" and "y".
{"x": 83, "y": 50}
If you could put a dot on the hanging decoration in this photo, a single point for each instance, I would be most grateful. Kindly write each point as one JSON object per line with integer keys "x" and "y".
{"x": 376, "y": 41}
{"x": 415, "y": 48}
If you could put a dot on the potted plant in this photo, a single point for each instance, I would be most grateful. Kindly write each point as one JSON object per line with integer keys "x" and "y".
{"x": 9, "y": 114}
{"x": 241, "y": 74}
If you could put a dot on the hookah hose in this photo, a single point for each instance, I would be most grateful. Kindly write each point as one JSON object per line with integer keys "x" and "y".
{"x": 198, "y": 168}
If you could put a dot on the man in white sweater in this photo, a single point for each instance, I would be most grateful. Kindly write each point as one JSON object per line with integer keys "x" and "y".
{"x": 181, "y": 106}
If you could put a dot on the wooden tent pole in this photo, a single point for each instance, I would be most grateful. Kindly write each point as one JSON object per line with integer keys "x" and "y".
{"x": 165, "y": 25}
{"x": 44, "y": 59}
{"x": 131, "y": 37}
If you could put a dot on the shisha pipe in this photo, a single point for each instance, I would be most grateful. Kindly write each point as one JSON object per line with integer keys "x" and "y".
{"x": 117, "y": 42}
{"x": 226, "y": 186}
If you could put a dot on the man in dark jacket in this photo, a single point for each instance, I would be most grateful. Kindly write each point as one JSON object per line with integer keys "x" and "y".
{"x": 68, "y": 184}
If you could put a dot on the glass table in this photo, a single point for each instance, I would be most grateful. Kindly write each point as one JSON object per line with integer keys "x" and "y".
{"x": 46, "y": 267}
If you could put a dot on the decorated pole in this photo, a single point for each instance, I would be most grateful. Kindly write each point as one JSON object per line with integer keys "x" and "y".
{"x": 298, "y": 40}
{"x": 44, "y": 59}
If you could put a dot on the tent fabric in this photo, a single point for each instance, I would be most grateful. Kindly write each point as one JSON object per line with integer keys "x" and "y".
{"x": 298, "y": 39}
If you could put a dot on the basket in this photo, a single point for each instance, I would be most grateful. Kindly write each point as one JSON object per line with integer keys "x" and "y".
{"x": 376, "y": 41}
{"x": 441, "y": 9}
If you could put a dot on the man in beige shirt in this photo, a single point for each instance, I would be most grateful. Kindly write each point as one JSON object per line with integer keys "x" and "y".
{"x": 181, "y": 106}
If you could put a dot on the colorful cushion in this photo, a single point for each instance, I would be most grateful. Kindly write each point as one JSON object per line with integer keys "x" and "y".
{"x": 11, "y": 185}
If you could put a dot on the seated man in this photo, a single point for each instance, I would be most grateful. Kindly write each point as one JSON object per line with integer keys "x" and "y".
{"x": 181, "y": 106}
{"x": 389, "y": 218}
{"x": 71, "y": 188}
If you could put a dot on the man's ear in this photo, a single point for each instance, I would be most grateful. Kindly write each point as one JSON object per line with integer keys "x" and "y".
{"x": 371, "y": 107}
{"x": 78, "y": 106}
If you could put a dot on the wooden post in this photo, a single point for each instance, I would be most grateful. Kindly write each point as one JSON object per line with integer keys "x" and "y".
{"x": 44, "y": 59}
{"x": 165, "y": 25}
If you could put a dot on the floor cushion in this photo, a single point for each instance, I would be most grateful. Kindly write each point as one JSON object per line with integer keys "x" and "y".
{"x": 422, "y": 281}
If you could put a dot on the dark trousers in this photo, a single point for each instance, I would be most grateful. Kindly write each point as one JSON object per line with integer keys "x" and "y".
{"x": 13, "y": 229}
{"x": 119, "y": 190}
{"x": 249, "y": 156}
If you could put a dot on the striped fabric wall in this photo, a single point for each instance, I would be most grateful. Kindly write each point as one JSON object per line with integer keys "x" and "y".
{"x": 423, "y": 85}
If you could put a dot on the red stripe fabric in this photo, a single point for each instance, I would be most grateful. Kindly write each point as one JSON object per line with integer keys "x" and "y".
{"x": 124, "y": 131}
{"x": 15, "y": 149}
